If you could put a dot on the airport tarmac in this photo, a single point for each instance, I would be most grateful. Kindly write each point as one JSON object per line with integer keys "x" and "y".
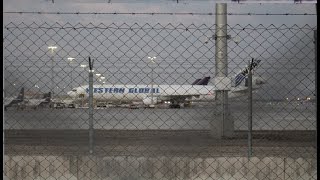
{"x": 266, "y": 116}
{"x": 53, "y": 143}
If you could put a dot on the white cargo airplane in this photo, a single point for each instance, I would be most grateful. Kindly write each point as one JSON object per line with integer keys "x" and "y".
{"x": 176, "y": 94}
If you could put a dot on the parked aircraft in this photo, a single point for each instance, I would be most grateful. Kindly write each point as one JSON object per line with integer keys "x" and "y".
{"x": 35, "y": 103}
{"x": 175, "y": 94}
{"x": 9, "y": 102}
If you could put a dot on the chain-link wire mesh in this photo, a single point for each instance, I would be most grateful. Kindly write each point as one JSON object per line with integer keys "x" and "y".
{"x": 154, "y": 109}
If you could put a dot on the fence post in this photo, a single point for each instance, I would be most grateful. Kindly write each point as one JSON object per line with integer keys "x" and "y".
{"x": 316, "y": 87}
{"x": 250, "y": 108}
{"x": 225, "y": 123}
{"x": 90, "y": 107}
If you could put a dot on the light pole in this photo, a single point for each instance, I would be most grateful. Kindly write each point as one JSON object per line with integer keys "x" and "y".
{"x": 52, "y": 76}
{"x": 151, "y": 59}
{"x": 71, "y": 59}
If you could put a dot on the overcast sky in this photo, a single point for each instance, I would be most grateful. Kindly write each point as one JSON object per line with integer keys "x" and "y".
{"x": 153, "y": 6}
{"x": 296, "y": 46}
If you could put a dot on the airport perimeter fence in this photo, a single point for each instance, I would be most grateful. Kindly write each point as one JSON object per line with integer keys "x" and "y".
{"x": 188, "y": 134}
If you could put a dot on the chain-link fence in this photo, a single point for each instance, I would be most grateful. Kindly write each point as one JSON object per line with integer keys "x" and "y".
{"x": 154, "y": 112}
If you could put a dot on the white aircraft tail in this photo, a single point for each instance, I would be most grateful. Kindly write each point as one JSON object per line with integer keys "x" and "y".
{"x": 244, "y": 73}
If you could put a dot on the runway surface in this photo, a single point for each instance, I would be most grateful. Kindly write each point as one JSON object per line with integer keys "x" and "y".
{"x": 279, "y": 130}
{"x": 266, "y": 116}
{"x": 159, "y": 142}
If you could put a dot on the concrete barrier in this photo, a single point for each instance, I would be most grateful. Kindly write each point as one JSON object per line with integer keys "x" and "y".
{"x": 165, "y": 168}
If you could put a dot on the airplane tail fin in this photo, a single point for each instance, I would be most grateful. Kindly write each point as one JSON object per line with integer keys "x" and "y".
{"x": 244, "y": 73}
{"x": 21, "y": 94}
{"x": 47, "y": 96}
{"x": 196, "y": 81}
{"x": 204, "y": 81}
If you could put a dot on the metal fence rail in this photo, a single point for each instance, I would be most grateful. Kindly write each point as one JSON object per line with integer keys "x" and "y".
{"x": 151, "y": 119}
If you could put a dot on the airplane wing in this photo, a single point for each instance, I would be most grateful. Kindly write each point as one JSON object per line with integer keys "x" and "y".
{"x": 242, "y": 90}
{"x": 10, "y": 101}
{"x": 7, "y": 101}
{"x": 179, "y": 93}
{"x": 177, "y": 98}
{"x": 34, "y": 102}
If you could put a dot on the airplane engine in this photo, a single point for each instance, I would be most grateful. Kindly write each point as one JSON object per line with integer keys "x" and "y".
{"x": 147, "y": 100}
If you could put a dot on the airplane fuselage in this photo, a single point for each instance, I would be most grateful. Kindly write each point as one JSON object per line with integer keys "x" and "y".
{"x": 139, "y": 92}
{"x": 159, "y": 93}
